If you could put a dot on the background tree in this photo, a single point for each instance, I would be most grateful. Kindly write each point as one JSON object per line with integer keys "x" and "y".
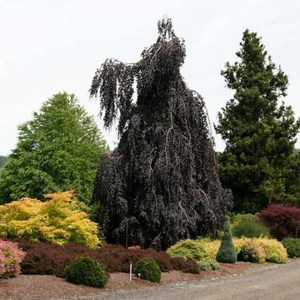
{"x": 57, "y": 150}
{"x": 161, "y": 183}
{"x": 259, "y": 130}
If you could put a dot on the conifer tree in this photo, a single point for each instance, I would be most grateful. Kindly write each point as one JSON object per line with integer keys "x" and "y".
{"x": 227, "y": 252}
{"x": 259, "y": 130}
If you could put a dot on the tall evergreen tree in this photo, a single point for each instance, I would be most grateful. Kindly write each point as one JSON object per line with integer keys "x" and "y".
{"x": 57, "y": 150}
{"x": 161, "y": 183}
{"x": 258, "y": 128}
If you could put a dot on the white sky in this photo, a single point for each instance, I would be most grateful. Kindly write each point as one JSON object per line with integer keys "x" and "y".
{"x": 48, "y": 46}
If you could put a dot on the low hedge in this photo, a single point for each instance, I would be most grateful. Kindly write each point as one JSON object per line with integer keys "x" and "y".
{"x": 45, "y": 258}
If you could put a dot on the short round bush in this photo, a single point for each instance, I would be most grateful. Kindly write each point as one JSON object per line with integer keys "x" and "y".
{"x": 147, "y": 268}
{"x": 86, "y": 271}
{"x": 292, "y": 246}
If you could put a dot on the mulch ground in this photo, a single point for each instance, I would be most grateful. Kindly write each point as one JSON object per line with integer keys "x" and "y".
{"x": 37, "y": 287}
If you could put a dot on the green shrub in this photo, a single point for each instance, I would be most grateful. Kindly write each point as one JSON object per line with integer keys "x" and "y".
{"x": 250, "y": 229}
{"x": 227, "y": 253}
{"x": 292, "y": 246}
{"x": 147, "y": 268}
{"x": 237, "y": 218}
{"x": 86, "y": 271}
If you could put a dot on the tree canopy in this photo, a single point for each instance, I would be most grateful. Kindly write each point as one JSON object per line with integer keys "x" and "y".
{"x": 161, "y": 183}
{"x": 57, "y": 150}
{"x": 258, "y": 163}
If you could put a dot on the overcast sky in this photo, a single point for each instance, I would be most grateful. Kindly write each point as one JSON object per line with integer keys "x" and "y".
{"x": 56, "y": 45}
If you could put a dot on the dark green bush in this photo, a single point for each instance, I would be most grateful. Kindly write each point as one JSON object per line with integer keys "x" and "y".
{"x": 147, "y": 268}
{"x": 250, "y": 229}
{"x": 292, "y": 246}
{"x": 86, "y": 271}
{"x": 227, "y": 252}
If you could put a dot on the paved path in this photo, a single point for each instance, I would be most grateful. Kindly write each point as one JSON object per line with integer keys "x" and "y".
{"x": 278, "y": 282}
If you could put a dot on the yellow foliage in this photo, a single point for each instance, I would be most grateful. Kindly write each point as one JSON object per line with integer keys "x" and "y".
{"x": 256, "y": 250}
{"x": 261, "y": 249}
{"x": 251, "y": 249}
{"x": 57, "y": 220}
{"x": 275, "y": 251}
{"x": 211, "y": 247}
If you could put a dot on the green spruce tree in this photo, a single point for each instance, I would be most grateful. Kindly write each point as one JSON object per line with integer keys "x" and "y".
{"x": 227, "y": 252}
{"x": 259, "y": 130}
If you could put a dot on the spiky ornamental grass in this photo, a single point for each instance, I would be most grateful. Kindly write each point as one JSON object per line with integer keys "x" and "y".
{"x": 161, "y": 183}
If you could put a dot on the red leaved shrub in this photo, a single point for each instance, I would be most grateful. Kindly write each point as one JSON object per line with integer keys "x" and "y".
{"x": 163, "y": 258}
{"x": 45, "y": 258}
{"x": 118, "y": 259}
{"x": 282, "y": 221}
{"x": 185, "y": 265}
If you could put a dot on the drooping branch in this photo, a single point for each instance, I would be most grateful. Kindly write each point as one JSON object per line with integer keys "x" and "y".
{"x": 161, "y": 183}
{"x": 114, "y": 80}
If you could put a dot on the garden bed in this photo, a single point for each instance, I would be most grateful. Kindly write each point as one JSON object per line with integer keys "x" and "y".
{"x": 36, "y": 287}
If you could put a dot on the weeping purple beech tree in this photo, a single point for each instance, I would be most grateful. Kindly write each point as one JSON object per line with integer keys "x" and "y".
{"x": 161, "y": 182}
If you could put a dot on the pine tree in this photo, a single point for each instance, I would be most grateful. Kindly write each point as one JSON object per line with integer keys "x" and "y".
{"x": 258, "y": 128}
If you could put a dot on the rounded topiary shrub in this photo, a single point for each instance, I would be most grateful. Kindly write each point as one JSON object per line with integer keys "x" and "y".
{"x": 227, "y": 252}
{"x": 86, "y": 271}
{"x": 147, "y": 268}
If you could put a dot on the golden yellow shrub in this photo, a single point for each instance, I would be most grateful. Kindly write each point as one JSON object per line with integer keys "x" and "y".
{"x": 58, "y": 220}
{"x": 275, "y": 251}
{"x": 210, "y": 246}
